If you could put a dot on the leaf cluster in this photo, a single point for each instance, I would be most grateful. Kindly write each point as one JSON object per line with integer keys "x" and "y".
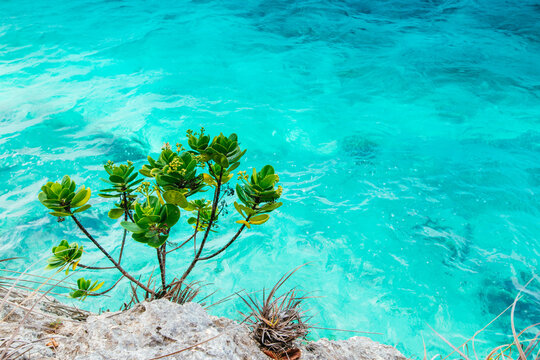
{"x": 62, "y": 198}
{"x": 65, "y": 255}
{"x": 123, "y": 183}
{"x": 85, "y": 288}
{"x": 152, "y": 222}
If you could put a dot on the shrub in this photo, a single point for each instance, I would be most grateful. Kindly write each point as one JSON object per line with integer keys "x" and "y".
{"x": 149, "y": 207}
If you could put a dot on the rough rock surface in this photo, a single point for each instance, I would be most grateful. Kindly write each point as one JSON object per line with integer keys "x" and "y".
{"x": 153, "y": 329}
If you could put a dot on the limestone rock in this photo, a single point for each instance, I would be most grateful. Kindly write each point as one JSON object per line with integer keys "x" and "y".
{"x": 157, "y": 328}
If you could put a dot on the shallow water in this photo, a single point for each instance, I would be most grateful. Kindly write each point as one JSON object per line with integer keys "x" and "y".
{"x": 406, "y": 135}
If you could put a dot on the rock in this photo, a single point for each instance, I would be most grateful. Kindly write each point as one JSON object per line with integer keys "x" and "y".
{"x": 153, "y": 329}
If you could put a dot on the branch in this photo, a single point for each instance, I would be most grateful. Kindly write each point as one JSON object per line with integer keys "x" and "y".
{"x": 117, "y": 265}
{"x": 226, "y": 245}
{"x": 231, "y": 241}
{"x": 127, "y": 213}
{"x": 95, "y": 267}
{"x": 182, "y": 244}
{"x": 210, "y": 223}
{"x": 122, "y": 247}
{"x": 195, "y": 234}
{"x": 161, "y": 262}
{"x": 109, "y": 289}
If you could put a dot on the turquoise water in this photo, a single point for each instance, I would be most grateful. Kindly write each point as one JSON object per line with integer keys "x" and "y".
{"x": 406, "y": 135}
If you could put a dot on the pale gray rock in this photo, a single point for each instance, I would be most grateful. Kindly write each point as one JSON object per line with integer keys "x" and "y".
{"x": 157, "y": 328}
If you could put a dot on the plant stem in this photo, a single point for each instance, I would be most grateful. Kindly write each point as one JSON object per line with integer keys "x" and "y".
{"x": 122, "y": 247}
{"x": 109, "y": 289}
{"x": 231, "y": 241}
{"x": 161, "y": 262}
{"x": 95, "y": 267}
{"x": 210, "y": 223}
{"x": 226, "y": 245}
{"x": 127, "y": 213}
{"x": 182, "y": 244}
{"x": 117, "y": 265}
{"x": 195, "y": 234}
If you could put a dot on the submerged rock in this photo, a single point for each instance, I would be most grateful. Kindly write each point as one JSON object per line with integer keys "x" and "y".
{"x": 359, "y": 147}
{"x": 157, "y": 328}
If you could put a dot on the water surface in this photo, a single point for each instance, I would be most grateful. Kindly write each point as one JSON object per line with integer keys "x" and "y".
{"x": 406, "y": 135}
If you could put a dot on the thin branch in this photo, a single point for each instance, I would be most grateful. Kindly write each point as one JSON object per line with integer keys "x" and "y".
{"x": 195, "y": 234}
{"x": 122, "y": 247}
{"x": 109, "y": 289}
{"x": 127, "y": 213}
{"x": 182, "y": 244}
{"x": 210, "y": 223}
{"x": 226, "y": 245}
{"x": 161, "y": 262}
{"x": 82, "y": 266}
{"x": 117, "y": 265}
{"x": 231, "y": 241}
{"x": 31, "y": 281}
{"x": 22, "y": 287}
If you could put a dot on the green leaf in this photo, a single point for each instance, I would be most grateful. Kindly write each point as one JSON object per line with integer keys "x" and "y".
{"x": 268, "y": 181}
{"x": 259, "y": 219}
{"x": 270, "y": 207}
{"x": 242, "y": 195}
{"x": 107, "y": 181}
{"x": 136, "y": 182}
{"x": 109, "y": 196}
{"x": 60, "y": 214}
{"x": 233, "y": 167}
{"x": 79, "y": 196}
{"x": 221, "y": 160}
{"x": 96, "y": 286}
{"x": 239, "y": 209}
{"x": 140, "y": 238}
{"x": 63, "y": 194}
{"x": 83, "y": 208}
{"x": 175, "y": 197}
{"x": 254, "y": 178}
{"x": 66, "y": 181}
{"x": 131, "y": 227}
{"x": 157, "y": 241}
{"x": 116, "y": 179}
{"x": 80, "y": 283}
{"x": 56, "y": 188}
{"x": 266, "y": 170}
{"x": 42, "y": 197}
{"x": 172, "y": 214}
{"x": 116, "y": 213}
{"x": 76, "y": 294}
{"x": 80, "y": 202}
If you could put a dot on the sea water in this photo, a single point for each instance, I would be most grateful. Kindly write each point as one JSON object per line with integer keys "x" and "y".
{"x": 406, "y": 135}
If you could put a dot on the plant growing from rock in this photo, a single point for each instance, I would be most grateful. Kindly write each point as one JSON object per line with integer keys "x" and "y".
{"x": 170, "y": 194}
{"x": 278, "y": 322}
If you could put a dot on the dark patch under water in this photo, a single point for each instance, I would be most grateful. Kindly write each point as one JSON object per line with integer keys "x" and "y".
{"x": 360, "y": 148}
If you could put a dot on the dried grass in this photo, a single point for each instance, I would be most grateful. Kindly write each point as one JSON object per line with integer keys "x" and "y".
{"x": 27, "y": 300}
{"x": 509, "y": 351}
